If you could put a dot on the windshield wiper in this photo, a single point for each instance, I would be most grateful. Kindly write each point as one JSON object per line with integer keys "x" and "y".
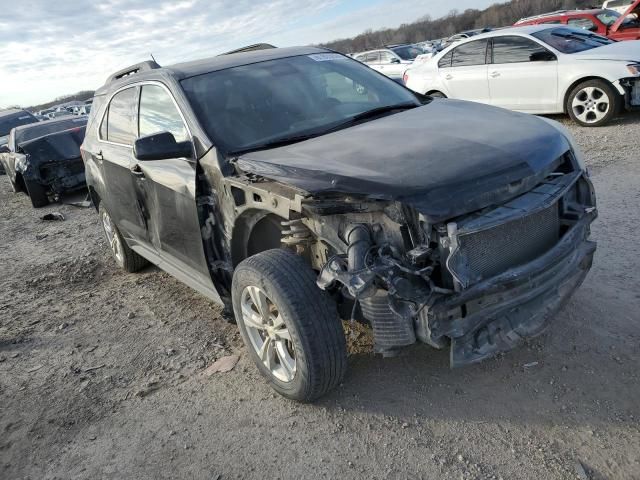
{"x": 280, "y": 142}
{"x": 382, "y": 110}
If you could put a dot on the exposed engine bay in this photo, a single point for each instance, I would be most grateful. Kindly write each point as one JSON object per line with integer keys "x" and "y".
{"x": 476, "y": 281}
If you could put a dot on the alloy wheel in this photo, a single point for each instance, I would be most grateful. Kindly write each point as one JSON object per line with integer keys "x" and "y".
{"x": 268, "y": 334}
{"x": 591, "y": 104}
{"x": 112, "y": 236}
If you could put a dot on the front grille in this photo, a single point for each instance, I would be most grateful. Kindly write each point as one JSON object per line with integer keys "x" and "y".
{"x": 635, "y": 94}
{"x": 494, "y": 250}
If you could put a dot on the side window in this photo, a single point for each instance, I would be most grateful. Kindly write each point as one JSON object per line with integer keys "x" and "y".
{"x": 582, "y": 23}
{"x": 386, "y": 57}
{"x": 121, "y": 125}
{"x": 103, "y": 125}
{"x": 515, "y": 50}
{"x": 552, "y": 22}
{"x": 472, "y": 53}
{"x": 373, "y": 57}
{"x": 158, "y": 114}
{"x": 445, "y": 62}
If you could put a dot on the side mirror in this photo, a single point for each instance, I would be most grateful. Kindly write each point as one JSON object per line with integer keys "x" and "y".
{"x": 395, "y": 60}
{"x": 161, "y": 146}
{"x": 4, "y": 149}
{"x": 545, "y": 56}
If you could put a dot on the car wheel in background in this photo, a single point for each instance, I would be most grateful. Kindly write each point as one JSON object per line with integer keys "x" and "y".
{"x": 593, "y": 103}
{"x": 126, "y": 258}
{"x": 37, "y": 194}
{"x": 437, "y": 95}
{"x": 290, "y": 327}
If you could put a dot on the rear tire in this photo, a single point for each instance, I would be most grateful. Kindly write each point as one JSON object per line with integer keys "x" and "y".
{"x": 37, "y": 194}
{"x": 593, "y": 103}
{"x": 298, "y": 345}
{"x": 125, "y": 258}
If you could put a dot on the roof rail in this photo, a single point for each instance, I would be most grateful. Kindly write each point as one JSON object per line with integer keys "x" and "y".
{"x": 133, "y": 69}
{"x": 250, "y": 48}
{"x": 543, "y": 15}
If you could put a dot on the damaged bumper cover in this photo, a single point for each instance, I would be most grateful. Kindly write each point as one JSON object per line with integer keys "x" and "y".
{"x": 503, "y": 311}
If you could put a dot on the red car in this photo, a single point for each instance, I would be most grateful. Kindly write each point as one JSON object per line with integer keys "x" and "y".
{"x": 607, "y": 23}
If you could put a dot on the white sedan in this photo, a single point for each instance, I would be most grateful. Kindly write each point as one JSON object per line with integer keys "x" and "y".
{"x": 541, "y": 69}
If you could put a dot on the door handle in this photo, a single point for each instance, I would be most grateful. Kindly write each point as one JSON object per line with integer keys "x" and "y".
{"x": 449, "y": 77}
{"x": 137, "y": 171}
{"x": 495, "y": 74}
{"x": 98, "y": 156}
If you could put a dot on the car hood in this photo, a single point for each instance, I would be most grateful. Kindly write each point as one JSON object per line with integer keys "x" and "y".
{"x": 446, "y": 158}
{"x": 628, "y": 51}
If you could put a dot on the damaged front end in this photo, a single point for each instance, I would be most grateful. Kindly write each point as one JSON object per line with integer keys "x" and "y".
{"x": 481, "y": 282}
{"x": 53, "y": 161}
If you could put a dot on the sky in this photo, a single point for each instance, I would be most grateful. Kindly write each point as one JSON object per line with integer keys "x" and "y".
{"x": 49, "y": 48}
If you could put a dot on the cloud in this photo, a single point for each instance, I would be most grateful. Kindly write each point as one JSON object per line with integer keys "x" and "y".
{"x": 50, "y": 48}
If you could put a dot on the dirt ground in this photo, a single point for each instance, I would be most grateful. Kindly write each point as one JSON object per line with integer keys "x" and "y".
{"x": 101, "y": 372}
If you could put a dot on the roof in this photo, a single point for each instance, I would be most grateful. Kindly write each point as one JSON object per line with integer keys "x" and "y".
{"x": 184, "y": 70}
{"x": 11, "y": 111}
{"x": 561, "y": 13}
{"x": 52, "y": 122}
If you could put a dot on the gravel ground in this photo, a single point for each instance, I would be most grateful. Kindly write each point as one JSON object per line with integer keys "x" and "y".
{"x": 102, "y": 372}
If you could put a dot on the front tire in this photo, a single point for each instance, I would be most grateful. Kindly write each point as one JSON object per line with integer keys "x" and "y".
{"x": 37, "y": 194}
{"x": 290, "y": 327}
{"x": 593, "y": 103}
{"x": 125, "y": 258}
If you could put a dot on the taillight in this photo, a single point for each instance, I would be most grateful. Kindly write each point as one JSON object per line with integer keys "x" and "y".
{"x": 405, "y": 78}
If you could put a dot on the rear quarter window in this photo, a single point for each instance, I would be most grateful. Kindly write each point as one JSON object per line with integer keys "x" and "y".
{"x": 120, "y": 118}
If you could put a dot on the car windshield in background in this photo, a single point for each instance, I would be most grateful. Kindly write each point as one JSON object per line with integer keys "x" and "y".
{"x": 255, "y": 106}
{"x": 608, "y": 17}
{"x": 407, "y": 53}
{"x": 4, "y": 139}
{"x": 47, "y": 128}
{"x": 569, "y": 40}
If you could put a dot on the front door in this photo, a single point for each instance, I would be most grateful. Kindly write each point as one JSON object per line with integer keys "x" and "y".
{"x": 523, "y": 75}
{"x": 167, "y": 188}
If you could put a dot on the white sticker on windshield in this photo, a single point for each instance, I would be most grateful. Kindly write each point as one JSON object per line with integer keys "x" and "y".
{"x": 326, "y": 57}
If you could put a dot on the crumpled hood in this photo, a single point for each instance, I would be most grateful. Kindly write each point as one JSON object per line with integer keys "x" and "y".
{"x": 444, "y": 159}
{"x": 55, "y": 147}
{"x": 628, "y": 51}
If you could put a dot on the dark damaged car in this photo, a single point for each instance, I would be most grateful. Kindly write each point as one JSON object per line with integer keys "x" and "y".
{"x": 299, "y": 187}
{"x": 9, "y": 119}
{"x": 44, "y": 159}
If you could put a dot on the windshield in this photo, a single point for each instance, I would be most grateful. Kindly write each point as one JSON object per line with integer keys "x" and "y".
{"x": 608, "y": 17}
{"x": 407, "y": 53}
{"x": 47, "y": 128}
{"x": 9, "y": 121}
{"x": 4, "y": 139}
{"x": 571, "y": 40}
{"x": 244, "y": 107}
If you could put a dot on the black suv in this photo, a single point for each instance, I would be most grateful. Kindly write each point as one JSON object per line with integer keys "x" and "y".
{"x": 298, "y": 187}
{"x": 43, "y": 158}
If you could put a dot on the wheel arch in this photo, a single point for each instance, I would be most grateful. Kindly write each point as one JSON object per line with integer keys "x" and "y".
{"x": 255, "y": 231}
{"x": 577, "y": 82}
{"x": 20, "y": 185}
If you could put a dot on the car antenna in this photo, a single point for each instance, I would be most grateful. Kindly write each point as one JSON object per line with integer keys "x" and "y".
{"x": 152, "y": 57}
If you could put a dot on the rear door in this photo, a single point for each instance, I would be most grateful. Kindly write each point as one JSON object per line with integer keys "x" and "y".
{"x": 466, "y": 77}
{"x": 166, "y": 189}
{"x": 519, "y": 76}
{"x": 118, "y": 130}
